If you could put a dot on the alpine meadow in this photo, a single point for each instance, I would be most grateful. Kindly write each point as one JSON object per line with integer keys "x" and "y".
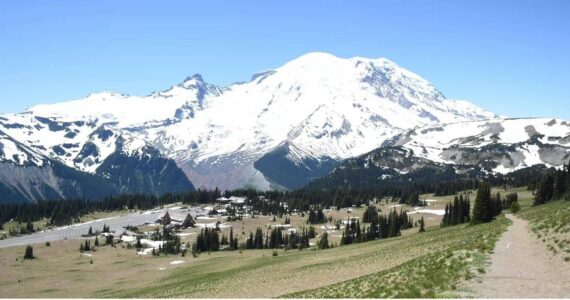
{"x": 308, "y": 158}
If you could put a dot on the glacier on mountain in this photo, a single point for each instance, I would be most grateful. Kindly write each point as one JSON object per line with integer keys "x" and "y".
{"x": 298, "y": 120}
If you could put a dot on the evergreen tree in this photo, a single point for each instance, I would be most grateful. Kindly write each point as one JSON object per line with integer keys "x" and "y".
{"x": 422, "y": 225}
{"x": 496, "y": 205}
{"x": 323, "y": 243}
{"x": 232, "y": 239}
{"x": 482, "y": 210}
{"x": 316, "y": 217}
{"x": 545, "y": 190}
{"x": 258, "y": 239}
{"x": 560, "y": 184}
{"x": 109, "y": 239}
{"x": 370, "y": 214}
{"x": 30, "y": 227}
{"x": 249, "y": 241}
{"x": 29, "y": 254}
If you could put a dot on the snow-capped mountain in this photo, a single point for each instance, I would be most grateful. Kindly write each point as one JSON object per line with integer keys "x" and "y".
{"x": 282, "y": 128}
{"x": 80, "y": 160}
{"x": 499, "y": 146}
{"x": 474, "y": 149}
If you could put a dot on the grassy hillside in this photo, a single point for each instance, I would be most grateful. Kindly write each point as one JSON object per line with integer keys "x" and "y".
{"x": 436, "y": 260}
{"x": 465, "y": 249}
{"x": 551, "y": 223}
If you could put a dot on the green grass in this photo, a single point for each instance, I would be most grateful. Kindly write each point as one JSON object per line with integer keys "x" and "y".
{"x": 414, "y": 265}
{"x": 434, "y": 275}
{"x": 550, "y": 223}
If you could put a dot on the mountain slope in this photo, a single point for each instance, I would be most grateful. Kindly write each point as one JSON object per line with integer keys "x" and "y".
{"x": 145, "y": 171}
{"x": 457, "y": 150}
{"x": 26, "y": 175}
{"x": 118, "y": 166}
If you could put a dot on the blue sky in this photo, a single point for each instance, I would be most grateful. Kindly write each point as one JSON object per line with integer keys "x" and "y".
{"x": 511, "y": 57}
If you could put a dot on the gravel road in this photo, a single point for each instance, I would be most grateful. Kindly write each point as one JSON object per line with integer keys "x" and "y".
{"x": 522, "y": 267}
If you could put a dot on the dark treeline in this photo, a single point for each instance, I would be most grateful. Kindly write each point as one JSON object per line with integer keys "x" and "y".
{"x": 457, "y": 212}
{"x": 276, "y": 238}
{"x": 381, "y": 226}
{"x": 316, "y": 217}
{"x": 554, "y": 185}
{"x": 64, "y": 212}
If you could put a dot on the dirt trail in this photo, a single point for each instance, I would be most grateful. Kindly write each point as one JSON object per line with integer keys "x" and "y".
{"x": 522, "y": 267}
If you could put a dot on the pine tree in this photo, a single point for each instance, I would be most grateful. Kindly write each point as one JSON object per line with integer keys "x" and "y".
{"x": 545, "y": 190}
{"x": 496, "y": 205}
{"x": 258, "y": 239}
{"x": 324, "y": 241}
{"x": 232, "y": 239}
{"x": 445, "y": 221}
{"x": 109, "y": 239}
{"x": 343, "y": 239}
{"x": 30, "y": 227}
{"x": 560, "y": 184}
{"x": 422, "y": 225}
{"x": 482, "y": 211}
{"x": 29, "y": 254}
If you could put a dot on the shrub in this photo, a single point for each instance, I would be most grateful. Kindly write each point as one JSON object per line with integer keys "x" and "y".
{"x": 515, "y": 207}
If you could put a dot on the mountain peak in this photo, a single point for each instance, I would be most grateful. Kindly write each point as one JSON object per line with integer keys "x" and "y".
{"x": 195, "y": 77}
{"x": 192, "y": 81}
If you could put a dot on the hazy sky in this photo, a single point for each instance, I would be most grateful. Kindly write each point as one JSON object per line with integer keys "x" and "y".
{"x": 511, "y": 57}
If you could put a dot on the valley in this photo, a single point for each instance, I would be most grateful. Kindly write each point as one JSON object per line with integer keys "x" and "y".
{"x": 456, "y": 254}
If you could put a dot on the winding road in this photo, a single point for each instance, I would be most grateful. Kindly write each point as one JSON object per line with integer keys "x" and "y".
{"x": 522, "y": 267}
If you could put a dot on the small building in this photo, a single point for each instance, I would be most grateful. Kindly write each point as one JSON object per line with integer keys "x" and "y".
{"x": 223, "y": 200}
{"x": 238, "y": 201}
{"x": 188, "y": 222}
